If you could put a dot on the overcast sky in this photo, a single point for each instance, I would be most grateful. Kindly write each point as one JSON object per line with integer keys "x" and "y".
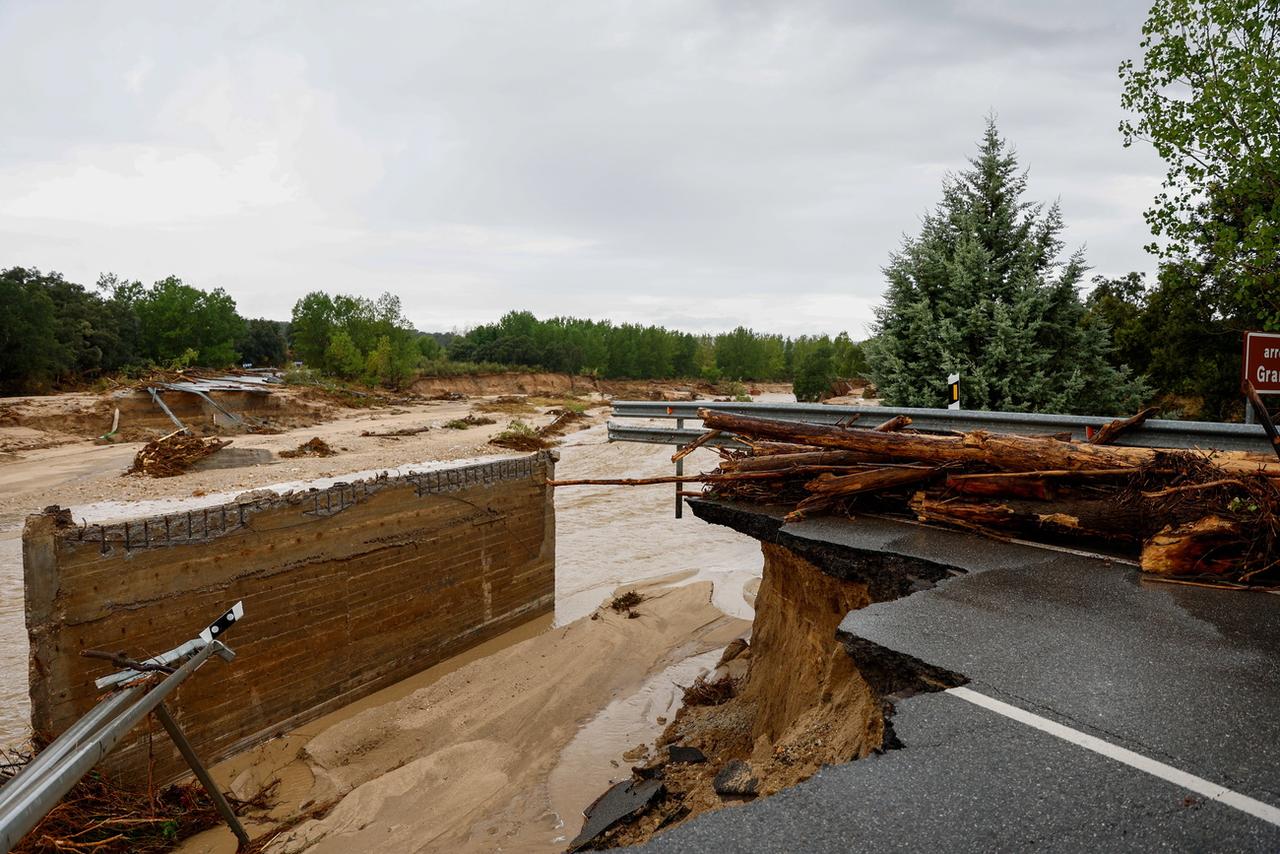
{"x": 694, "y": 164}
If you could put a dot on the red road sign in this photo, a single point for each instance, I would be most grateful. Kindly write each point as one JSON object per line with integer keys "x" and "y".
{"x": 1262, "y": 361}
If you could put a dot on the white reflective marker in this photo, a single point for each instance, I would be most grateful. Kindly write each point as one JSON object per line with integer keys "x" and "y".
{"x": 1199, "y": 785}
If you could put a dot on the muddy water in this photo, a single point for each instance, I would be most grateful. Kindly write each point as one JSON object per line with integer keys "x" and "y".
{"x": 14, "y": 705}
{"x": 606, "y": 538}
{"x": 609, "y": 536}
{"x": 582, "y": 774}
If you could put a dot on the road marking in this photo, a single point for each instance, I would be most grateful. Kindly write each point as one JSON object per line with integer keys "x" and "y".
{"x": 1199, "y": 785}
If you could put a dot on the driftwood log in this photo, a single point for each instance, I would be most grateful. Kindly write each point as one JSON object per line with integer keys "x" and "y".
{"x": 999, "y": 450}
{"x": 1191, "y": 514}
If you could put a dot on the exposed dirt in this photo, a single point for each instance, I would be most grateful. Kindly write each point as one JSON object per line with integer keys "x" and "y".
{"x": 506, "y": 383}
{"x": 776, "y": 710}
{"x": 63, "y": 418}
{"x": 72, "y": 470}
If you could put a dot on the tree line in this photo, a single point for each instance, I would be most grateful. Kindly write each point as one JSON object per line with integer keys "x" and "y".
{"x": 634, "y": 351}
{"x": 58, "y": 334}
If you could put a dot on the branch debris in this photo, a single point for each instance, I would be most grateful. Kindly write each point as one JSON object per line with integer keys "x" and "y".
{"x": 1212, "y": 517}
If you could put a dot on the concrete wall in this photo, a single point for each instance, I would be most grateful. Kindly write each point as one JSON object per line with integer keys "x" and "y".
{"x": 346, "y": 590}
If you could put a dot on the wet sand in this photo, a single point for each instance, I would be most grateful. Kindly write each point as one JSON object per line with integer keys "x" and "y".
{"x": 548, "y": 718}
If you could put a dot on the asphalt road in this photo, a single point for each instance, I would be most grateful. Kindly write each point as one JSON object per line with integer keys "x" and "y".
{"x": 1187, "y": 680}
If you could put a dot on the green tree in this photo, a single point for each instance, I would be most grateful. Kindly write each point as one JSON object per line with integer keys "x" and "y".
{"x": 1120, "y": 304}
{"x": 30, "y": 354}
{"x": 429, "y": 348}
{"x": 1207, "y": 97}
{"x": 265, "y": 342}
{"x": 311, "y": 326}
{"x": 392, "y": 363}
{"x": 343, "y": 358}
{"x": 174, "y": 317}
{"x": 815, "y": 372}
{"x": 983, "y": 292}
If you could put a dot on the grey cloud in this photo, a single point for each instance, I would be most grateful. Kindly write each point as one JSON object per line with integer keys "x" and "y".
{"x": 697, "y": 164}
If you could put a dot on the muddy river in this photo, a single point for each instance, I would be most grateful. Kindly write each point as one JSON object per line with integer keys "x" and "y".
{"x": 606, "y": 537}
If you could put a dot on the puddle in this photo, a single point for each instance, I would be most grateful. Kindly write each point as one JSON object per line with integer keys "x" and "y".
{"x": 584, "y": 769}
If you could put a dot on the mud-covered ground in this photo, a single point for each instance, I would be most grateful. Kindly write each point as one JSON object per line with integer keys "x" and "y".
{"x": 605, "y": 687}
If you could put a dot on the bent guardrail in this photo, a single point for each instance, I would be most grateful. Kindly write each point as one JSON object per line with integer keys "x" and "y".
{"x": 54, "y": 772}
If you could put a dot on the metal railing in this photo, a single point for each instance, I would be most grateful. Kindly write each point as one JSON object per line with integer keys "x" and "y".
{"x": 1152, "y": 434}
{"x": 54, "y": 771}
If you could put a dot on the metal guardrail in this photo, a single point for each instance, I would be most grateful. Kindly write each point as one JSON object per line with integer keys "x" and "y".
{"x": 1152, "y": 434}
{"x": 664, "y": 436}
{"x": 54, "y": 771}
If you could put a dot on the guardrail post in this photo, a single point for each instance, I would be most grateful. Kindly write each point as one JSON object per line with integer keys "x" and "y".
{"x": 197, "y": 767}
{"x": 679, "y": 472}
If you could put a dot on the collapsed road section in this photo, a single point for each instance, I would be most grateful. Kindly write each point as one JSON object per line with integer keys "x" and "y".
{"x": 1097, "y": 711}
{"x": 892, "y": 640}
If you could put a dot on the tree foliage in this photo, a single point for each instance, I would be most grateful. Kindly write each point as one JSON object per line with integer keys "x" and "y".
{"x": 1207, "y": 96}
{"x": 984, "y": 292}
{"x": 30, "y": 354}
{"x": 632, "y": 351}
{"x": 355, "y": 337}
{"x": 56, "y": 332}
{"x": 265, "y": 342}
{"x": 1186, "y": 346}
{"x": 815, "y": 372}
{"x": 174, "y": 317}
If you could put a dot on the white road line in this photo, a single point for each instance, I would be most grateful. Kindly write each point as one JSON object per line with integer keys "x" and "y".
{"x": 1199, "y": 785}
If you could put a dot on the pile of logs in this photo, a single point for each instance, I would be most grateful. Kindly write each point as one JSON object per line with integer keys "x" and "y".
{"x": 174, "y": 454}
{"x": 1191, "y": 514}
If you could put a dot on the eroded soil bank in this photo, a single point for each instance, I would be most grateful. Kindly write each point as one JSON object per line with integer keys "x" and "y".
{"x": 800, "y": 696}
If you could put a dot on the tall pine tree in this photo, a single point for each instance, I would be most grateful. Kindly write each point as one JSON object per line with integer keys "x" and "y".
{"x": 983, "y": 292}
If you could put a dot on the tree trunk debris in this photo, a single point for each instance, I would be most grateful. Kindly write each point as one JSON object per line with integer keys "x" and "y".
{"x": 1110, "y": 432}
{"x": 1199, "y": 516}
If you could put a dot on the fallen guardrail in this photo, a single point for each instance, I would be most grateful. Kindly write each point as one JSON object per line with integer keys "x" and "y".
{"x": 54, "y": 771}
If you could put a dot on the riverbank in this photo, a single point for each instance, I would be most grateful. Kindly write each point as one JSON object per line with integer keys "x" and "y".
{"x": 465, "y": 763}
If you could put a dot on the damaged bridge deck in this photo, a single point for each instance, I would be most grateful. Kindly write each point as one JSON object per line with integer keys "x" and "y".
{"x": 1100, "y": 711}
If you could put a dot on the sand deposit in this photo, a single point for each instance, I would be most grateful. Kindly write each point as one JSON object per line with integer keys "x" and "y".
{"x": 501, "y": 752}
